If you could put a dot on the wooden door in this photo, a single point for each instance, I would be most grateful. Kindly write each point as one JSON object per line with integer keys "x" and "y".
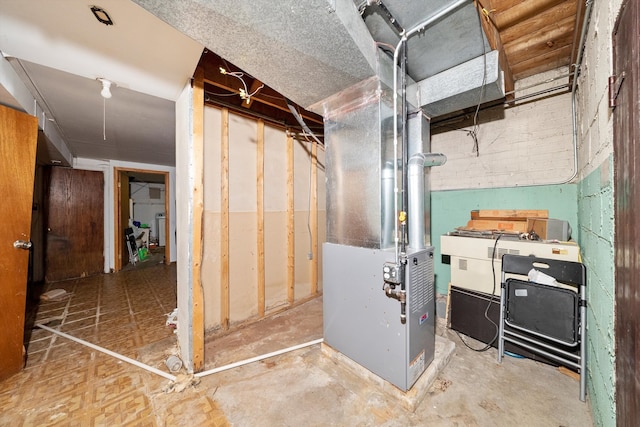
{"x": 123, "y": 219}
{"x": 75, "y": 224}
{"x": 18, "y": 140}
{"x": 626, "y": 137}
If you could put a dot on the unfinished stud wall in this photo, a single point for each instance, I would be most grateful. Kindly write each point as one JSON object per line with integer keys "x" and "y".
{"x": 596, "y": 209}
{"x": 273, "y": 202}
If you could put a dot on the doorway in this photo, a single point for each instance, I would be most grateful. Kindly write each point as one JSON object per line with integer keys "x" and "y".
{"x": 142, "y": 197}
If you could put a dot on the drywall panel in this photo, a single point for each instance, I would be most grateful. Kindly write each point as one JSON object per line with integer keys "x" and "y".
{"x": 275, "y": 239}
{"x": 275, "y": 170}
{"x": 212, "y": 154}
{"x": 211, "y": 268}
{"x": 184, "y": 151}
{"x": 243, "y": 261}
{"x": 302, "y": 174}
{"x": 242, "y": 164}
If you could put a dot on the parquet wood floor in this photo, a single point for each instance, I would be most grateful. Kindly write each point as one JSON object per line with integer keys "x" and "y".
{"x": 66, "y": 383}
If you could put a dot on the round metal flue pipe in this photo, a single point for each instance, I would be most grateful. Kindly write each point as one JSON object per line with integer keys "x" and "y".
{"x": 417, "y": 193}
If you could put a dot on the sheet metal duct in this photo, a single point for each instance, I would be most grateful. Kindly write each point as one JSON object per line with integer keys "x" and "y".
{"x": 309, "y": 50}
{"x": 450, "y": 41}
{"x": 476, "y": 81}
{"x": 359, "y": 166}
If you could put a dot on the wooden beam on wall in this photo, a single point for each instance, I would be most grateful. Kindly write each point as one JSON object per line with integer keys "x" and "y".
{"x": 198, "y": 212}
{"x": 291, "y": 240}
{"x": 260, "y": 217}
{"x": 268, "y": 97}
{"x": 224, "y": 221}
{"x": 313, "y": 218}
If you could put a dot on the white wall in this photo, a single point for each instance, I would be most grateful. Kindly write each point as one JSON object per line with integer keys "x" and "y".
{"x": 144, "y": 207}
{"x": 529, "y": 144}
{"x": 107, "y": 168}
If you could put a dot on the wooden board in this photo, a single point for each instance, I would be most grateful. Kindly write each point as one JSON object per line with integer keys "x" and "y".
{"x": 197, "y": 297}
{"x": 291, "y": 249}
{"x": 260, "y": 217}
{"x": 510, "y": 214}
{"x": 224, "y": 226}
{"x": 499, "y": 225}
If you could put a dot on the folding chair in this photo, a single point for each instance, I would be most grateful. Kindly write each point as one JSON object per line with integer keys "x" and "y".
{"x": 545, "y": 319}
{"x": 130, "y": 240}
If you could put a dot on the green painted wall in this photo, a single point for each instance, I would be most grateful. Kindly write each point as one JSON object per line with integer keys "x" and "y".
{"x": 451, "y": 209}
{"x": 596, "y": 234}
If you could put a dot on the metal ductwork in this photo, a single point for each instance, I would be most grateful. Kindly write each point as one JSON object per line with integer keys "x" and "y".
{"x": 309, "y": 50}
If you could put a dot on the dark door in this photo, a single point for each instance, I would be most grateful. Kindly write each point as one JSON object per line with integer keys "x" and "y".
{"x": 75, "y": 224}
{"x": 18, "y": 137}
{"x": 626, "y": 116}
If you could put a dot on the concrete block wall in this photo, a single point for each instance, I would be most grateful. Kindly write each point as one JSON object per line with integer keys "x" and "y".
{"x": 530, "y": 144}
{"x": 596, "y": 218}
{"x": 525, "y": 155}
{"x": 596, "y": 208}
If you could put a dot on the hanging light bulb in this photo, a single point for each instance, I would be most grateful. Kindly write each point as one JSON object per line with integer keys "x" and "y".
{"x": 106, "y": 87}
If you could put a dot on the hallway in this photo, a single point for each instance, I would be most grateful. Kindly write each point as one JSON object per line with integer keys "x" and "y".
{"x": 66, "y": 383}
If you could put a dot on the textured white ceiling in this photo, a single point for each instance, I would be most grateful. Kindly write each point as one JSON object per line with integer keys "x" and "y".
{"x": 61, "y": 49}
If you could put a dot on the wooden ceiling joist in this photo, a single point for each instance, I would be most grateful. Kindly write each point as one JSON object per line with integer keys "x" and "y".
{"x": 512, "y": 12}
{"x": 267, "y": 98}
{"x": 495, "y": 41}
{"x": 547, "y": 40}
{"x": 548, "y": 61}
{"x": 538, "y": 22}
{"x": 536, "y": 35}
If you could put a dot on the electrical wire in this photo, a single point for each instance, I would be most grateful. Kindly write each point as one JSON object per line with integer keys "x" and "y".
{"x": 104, "y": 119}
{"x": 311, "y": 254}
{"x": 474, "y": 132}
{"x": 486, "y": 311}
{"x": 301, "y": 121}
{"x": 244, "y": 93}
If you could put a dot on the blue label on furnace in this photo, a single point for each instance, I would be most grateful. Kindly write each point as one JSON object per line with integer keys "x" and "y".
{"x": 424, "y": 318}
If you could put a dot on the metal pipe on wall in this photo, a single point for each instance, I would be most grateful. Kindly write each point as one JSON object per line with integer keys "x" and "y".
{"x": 430, "y": 20}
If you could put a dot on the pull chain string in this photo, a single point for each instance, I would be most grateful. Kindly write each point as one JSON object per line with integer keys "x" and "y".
{"x": 104, "y": 119}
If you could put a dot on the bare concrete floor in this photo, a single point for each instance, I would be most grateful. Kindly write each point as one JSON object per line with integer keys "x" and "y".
{"x": 68, "y": 383}
{"x": 305, "y": 388}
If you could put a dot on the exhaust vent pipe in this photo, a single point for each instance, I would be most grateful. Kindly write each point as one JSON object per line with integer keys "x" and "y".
{"x": 417, "y": 193}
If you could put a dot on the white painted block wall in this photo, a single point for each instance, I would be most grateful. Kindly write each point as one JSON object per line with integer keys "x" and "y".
{"x": 529, "y": 144}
